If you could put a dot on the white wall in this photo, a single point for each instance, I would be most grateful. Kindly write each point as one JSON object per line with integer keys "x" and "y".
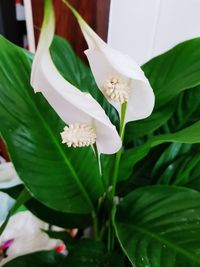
{"x": 146, "y": 28}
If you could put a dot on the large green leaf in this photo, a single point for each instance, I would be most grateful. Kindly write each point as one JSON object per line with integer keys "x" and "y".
{"x": 187, "y": 110}
{"x": 168, "y": 156}
{"x": 56, "y": 175}
{"x": 53, "y": 217}
{"x": 38, "y": 259}
{"x": 143, "y": 127}
{"x": 180, "y": 170}
{"x": 174, "y": 71}
{"x": 189, "y": 135}
{"x": 169, "y": 74}
{"x": 159, "y": 226}
{"x": 86, "y": 253}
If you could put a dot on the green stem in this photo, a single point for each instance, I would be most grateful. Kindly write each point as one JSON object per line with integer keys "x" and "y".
{"x": 119, "y": 153}
{"x": 115, "y": 176}
{"x": 109, "y": 237}
{"x": 95, "y": 226}
{"x": 100, "y": 167}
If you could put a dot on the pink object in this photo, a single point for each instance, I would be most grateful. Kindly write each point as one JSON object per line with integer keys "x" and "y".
{"x": 7, "y": 244}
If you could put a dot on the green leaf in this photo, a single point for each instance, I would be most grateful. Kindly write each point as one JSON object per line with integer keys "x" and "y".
{"x": 113, "y": 259}
{"x": 174, "y": 71}
{"x": 39, "y": 259}
{"x": 86, "y": 253}
{"x": 64, "y": 236}
{"x": 187, "y": 110}
{"x": 143, "y": 127}
{"x": 180, "y": 171}
{"x": 189, "y": 135}
{"x": 89, "y": 253}
{"x": 53, "y": 217}
{"x": 159, "y": 226}
{"x": 58, "y": 218}
{"x": 169, "y": 74}
{"x": 56, "y": 175}
{"x": 168, "y": 156}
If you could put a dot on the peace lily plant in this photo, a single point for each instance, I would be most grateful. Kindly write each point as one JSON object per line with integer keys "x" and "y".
{"x": 109, "y": 153}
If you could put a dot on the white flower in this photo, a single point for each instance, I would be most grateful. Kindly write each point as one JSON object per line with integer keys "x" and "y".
{"x": 86, "y": 120}
{"x": 118, "y": 77}
{"x": 8, "y": 175}
{"x": 23, "y": 235}
{"x": 6, "y": 204}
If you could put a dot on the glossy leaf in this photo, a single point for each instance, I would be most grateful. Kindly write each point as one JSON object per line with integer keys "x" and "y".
{"x": 89, "y": 253}
{"x": 39, "y": 259}
{"x": 187, "y": 110}
{"x": 159, "y": 226}
{"x": 173, "y": 151}
{"x": 169, "y": 74}
{"x": 53, "y": 217}
{"x": 86, "y": 253}
{"x": 56, "y": 175}
{"x": 155, "y": 121}
{"x": 189, "y": 135}
{"x": 174, "y": 71}
{"x": 181, "y": 170}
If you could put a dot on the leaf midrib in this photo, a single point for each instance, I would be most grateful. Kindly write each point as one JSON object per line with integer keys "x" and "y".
{"x": 162, "y": 240}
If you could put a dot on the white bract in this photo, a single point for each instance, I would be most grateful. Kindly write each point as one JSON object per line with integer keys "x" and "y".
{"x": 8, "y": 175}
{"x": 119, "y": 78}
{"x": 86, "y": 120}
{"x": 23, "y": 235}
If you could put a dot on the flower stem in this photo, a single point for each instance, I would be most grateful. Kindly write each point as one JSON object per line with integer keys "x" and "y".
{"x": 95, "y": 226}
{"x": 115, "y": 176}
{"x": 119, "y": 154}
{"x": 98, "y": 157}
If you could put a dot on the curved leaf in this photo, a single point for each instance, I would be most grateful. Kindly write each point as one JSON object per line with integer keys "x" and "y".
{"x": 39, "y": 259}
{"x": 174, "y": 71}
{"x": 169, "y": 74}
{"x": 90, "y": 253}
{"x": 159, "y": 226}
{"x": 189, "y": 135}
{"x": 53, "y": 217}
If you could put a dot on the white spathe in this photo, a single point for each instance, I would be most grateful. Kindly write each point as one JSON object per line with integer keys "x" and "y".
{"x": 25, "y": 231}
{"x": 106, "y": 61}
{"x": 70, "y": 103}
{"x": 8, "y": 175}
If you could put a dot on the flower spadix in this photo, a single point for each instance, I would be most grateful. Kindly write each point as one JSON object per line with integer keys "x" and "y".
{"x": 120, "y": 79}
{"x": 86, "y": 121}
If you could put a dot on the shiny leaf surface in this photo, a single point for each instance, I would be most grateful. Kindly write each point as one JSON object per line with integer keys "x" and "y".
{"x": 159, "y": 226}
